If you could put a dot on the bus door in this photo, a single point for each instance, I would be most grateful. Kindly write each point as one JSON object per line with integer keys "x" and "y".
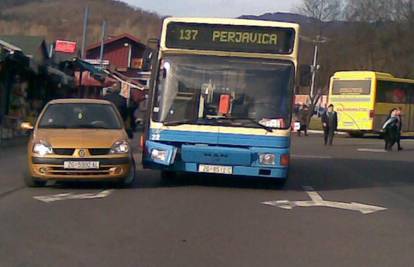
{"x": 410, "y": 113}
{"x": 392, "y": 95}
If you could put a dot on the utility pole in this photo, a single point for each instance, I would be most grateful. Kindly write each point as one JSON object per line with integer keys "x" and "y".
{"x": 314, "y": 67}
{"x": 102, "y": 43}
{"x": 85, "y": 29}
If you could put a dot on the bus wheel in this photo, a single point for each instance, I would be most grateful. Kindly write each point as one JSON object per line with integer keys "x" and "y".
{"x": 279, "y": 183}
{"x": 356, "y": 134}
{"x": 168, "y": 176}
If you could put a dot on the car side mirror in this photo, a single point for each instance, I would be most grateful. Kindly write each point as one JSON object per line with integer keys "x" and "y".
{"x": 26, "y": 126}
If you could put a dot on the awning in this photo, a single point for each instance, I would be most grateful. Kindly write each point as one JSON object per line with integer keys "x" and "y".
{"x": 90, "y": 81}
{"x": 66, "y": 79}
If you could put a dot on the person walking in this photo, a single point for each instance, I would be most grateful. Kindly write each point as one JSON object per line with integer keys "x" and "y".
{"x": 390, "y": 129}
{"x": 399, "y": 116}
{"x": 113, "y": 95}
{"x": 302, "y": 118}
{"x": 330, "y": 124}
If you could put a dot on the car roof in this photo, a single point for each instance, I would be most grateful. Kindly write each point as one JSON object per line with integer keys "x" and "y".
{"x": 79, "y": 101}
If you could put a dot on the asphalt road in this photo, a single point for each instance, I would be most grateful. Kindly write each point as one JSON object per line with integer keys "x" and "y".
{"x": 218, "y": 221}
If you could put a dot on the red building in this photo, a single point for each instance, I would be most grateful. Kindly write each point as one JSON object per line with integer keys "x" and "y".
{"x": 123, "y": 58}
{"x": 124, "y": 54}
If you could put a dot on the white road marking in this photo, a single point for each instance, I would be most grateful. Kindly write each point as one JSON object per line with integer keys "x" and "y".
{"x": 310, "y": 157}
{"x": 317, "y": 201}
{"x": 373, "y": 150}
{"x": 68, "y": 196}
{"x": 322, "y": 132}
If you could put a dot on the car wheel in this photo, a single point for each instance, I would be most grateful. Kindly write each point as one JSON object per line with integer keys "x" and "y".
{"x": 33, "y": 182}
{"x": 129, "y": 180}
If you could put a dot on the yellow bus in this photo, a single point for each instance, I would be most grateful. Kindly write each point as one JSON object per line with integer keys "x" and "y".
{"x": 364, "y": 99}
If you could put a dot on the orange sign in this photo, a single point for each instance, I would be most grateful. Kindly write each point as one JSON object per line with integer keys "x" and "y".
{"x": 65, "y": 47}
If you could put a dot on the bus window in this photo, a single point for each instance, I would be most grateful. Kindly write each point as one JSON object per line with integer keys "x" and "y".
{"x": 351, "y": 87}
{"x": 410, "y": 93}
{"x": 392, "y": 92}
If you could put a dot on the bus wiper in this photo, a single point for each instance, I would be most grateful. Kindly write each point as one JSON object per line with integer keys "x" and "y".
{"x": 179, "y": 122}
{"x": 268, "y": 129}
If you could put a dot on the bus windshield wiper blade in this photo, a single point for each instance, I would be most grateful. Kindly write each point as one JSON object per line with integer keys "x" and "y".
{"x": 268, "y": 129}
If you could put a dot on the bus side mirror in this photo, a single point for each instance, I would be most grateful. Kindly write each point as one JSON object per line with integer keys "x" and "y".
{"x": 305, "y": 75}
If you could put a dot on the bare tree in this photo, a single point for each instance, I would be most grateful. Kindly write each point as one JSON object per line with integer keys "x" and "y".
{"x": 321, "y": 11}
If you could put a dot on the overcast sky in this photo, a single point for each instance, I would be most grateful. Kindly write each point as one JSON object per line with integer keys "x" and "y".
{"x": 215, "y": 8}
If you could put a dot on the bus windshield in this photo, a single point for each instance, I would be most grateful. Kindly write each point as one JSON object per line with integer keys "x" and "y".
{"x": 351, "y": 87}
{"x": 224, "y": 90}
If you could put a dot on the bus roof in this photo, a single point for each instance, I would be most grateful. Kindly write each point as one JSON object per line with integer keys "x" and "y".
{"x": 369, "y": 75}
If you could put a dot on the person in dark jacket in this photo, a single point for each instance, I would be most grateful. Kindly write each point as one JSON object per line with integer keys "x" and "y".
{"x": 399, "y": 116}
{"x": 119, "y": 101}
{"x": 390, "y": 129}
{"x": 330, "y": 124}
{"x": 302, "y": 118}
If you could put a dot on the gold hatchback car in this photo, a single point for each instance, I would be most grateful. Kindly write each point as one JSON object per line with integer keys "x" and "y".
{"x": 79, "y": 139}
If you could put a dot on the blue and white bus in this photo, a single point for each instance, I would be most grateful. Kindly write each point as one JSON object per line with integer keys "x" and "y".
{"x": 221, "y": 98}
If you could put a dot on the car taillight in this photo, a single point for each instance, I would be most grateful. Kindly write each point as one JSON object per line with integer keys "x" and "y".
{"x": 284, "y": 160}
{"x": 371, "y": 114}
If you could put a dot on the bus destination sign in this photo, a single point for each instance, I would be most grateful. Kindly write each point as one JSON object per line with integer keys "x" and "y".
{"x": 230, "y": 38}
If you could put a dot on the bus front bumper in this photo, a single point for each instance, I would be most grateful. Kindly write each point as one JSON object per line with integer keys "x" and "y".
{"x": 276, "y": 173}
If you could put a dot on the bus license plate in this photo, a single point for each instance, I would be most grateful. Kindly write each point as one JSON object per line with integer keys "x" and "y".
{"x": 215, "y": 169}
{"x": 81, "y": 165}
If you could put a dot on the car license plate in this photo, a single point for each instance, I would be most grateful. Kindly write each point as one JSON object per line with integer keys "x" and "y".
{"x": 81, "y": 165}
{"x": 215, "y": 169}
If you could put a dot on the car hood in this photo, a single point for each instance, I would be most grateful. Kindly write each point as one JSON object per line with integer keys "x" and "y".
{"x": 80, "y": 138}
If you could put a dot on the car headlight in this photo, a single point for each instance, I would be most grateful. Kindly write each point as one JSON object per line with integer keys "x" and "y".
{"x": 120, "y": 147}
{"x": 42, "y": 148}
{"x": 160, "y": 155}
{"x": 267, "y": 159}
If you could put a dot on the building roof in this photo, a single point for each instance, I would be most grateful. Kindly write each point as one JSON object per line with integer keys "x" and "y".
{"x": 28, "y": 44}
{"x": 117, "y": 38}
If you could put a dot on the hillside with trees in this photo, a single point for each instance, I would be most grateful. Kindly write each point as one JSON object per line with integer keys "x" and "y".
{"x": 62, "y": 19}
{"x": 359, "y": 35}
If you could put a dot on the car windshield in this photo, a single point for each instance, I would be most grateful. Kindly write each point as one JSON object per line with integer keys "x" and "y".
{"x": 80, "y": 116}
{"x": 223, "y": 90}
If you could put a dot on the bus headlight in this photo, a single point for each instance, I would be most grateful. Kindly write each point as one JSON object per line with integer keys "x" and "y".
{"x": 159, "y": 155}
{"x": 42, "y": 148}
{"x": 267, "y": 159}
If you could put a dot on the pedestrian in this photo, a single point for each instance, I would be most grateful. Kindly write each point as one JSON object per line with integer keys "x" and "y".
{"x": 399, "y": 116}
{"x": 113, "y": 95}
{"x": 302, "y": 118}
{"x": 390, "y": 129}
{"x": 330, "y": 124}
